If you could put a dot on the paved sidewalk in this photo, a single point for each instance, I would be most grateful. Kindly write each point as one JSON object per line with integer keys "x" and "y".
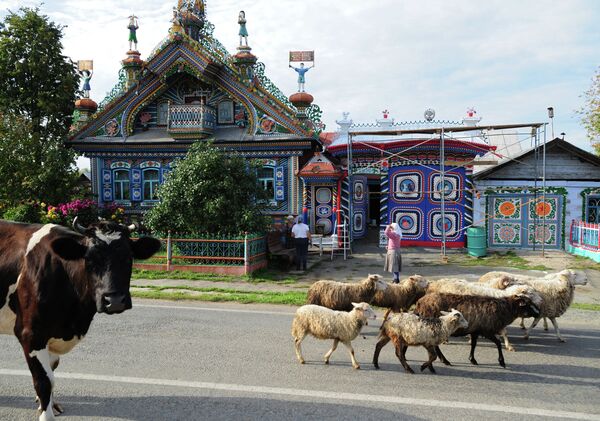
{"x": 368, "y": 259}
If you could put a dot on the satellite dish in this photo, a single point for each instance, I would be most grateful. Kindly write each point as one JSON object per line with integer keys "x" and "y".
{"x": 429, "y": 114}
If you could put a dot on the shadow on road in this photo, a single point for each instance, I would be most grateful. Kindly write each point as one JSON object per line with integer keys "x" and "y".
{"x": 206, "y": 408}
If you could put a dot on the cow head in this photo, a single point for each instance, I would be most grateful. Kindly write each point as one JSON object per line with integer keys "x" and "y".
{"x": 107, "y": 253}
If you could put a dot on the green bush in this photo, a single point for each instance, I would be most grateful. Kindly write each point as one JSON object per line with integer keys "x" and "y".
{"x": 23, "y": 213}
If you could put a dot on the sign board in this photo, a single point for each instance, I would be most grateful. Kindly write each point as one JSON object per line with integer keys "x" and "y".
{"x": 85, "y": 65}
{"x": 302, "y": 56}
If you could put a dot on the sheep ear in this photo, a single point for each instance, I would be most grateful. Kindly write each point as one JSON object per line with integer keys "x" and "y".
{"x": 355, "y": 305}
{"x": 444, "y": 313}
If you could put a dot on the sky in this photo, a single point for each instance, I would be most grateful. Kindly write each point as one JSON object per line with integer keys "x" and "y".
{"x": 509, "y": 59}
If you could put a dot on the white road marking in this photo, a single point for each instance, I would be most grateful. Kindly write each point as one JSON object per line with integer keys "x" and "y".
{"x": 320, "y": 394}
{"x": 37, "y": 236}
{"x": 226, "y": 310}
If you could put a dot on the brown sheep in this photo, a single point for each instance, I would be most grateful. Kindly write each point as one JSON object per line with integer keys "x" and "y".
{"x": 340, "y": 295}
{"x": 486, "y": 316}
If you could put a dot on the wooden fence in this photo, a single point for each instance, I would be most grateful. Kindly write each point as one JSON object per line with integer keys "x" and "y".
{"x": 584, "y": 240}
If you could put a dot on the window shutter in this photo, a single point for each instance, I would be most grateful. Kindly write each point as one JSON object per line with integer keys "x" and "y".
{"x": 136, "y": 184}
{"x": 107, "y": 188}
{"x": 279, "y": 183}
{"x": 164, "y": 172}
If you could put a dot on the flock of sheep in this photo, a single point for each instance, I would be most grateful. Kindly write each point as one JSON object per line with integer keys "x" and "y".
{"x": 442, "y": 308}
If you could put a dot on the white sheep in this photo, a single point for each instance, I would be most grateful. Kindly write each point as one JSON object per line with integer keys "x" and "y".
{"x": 557, "y": 291}
{"x": 324, "y": 323}
{"x": 407, "y": 329}
{"x": 462, "y": 287}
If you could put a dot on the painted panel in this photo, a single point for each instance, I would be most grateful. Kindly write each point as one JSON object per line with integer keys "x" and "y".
{"x": 359, "y": 206}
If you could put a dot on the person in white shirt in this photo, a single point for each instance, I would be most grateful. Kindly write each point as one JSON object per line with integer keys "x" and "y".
{"x": 301, "y": 235}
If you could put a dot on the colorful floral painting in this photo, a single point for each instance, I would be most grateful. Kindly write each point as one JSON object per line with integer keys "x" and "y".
{"x": 544, "y": 209}
{"x": 545, "y": 233}
{"x": 507, "y": 208}
{"x": 507, "y": 234}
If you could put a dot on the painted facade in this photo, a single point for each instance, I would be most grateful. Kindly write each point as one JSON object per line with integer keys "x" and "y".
{"x": 396, "y": 178}
{"x": 514, "y": 208}
{"x": 191, "y": 89}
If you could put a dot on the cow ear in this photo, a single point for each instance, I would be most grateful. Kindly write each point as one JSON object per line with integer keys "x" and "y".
{"x": 68, "y": 248}
{"x": 145, "y": 247}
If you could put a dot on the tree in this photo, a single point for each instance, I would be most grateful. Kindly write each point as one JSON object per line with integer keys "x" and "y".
{"x": 38, "y": 85}
{"x": 209, "y": 192}
{"x": 590, "y": 113}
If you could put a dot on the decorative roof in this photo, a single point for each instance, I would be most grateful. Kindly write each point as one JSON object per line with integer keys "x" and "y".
{"x": 320, "y": 166}
{"x": 205, "y": 58}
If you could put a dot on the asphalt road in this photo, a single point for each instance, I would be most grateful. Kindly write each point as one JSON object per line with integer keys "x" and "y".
{"x": 165, "y": 361}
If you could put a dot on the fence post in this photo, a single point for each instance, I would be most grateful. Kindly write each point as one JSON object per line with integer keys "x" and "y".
{"x": 580, "y": 233}
{"x": 169, "y": 251}
{"x": 246, "y": 255}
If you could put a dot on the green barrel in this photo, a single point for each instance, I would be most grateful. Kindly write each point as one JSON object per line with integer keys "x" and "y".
{"x": 476, "y": 241}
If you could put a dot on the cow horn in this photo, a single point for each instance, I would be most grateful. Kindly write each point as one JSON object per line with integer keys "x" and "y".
{"x": 78, "y": 227}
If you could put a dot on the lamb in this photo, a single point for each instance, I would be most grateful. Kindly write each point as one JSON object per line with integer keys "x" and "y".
{"x": 406, "y": 329}
{"x": 340, "y": 295}
{"x": 461, "y": 287}
{"x": 324, "y": 323}
{"x": 557, "y": 291}
{"x": 486, "y": 316}
{"x": 400, "y": 297}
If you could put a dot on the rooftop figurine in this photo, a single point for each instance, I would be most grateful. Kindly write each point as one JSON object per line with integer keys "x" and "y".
{"x": 133, "y": 27}
{"x": 243, "y": 31}
{"x": 301, "y": 72}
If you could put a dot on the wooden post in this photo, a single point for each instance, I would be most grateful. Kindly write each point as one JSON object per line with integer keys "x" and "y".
{"x": 169, "y": 251}
{"x": 246, "y": 255}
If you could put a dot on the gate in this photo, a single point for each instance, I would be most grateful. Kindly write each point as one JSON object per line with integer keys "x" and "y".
{"x": 524, "y": 221}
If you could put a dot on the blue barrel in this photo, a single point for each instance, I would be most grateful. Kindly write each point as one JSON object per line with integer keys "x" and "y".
{"x": 476, "y": 241}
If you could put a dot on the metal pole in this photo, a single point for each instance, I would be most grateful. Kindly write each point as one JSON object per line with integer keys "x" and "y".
{"x": 350, "y": 192}
{"x": 535, "y": 153}
{"x": 544, "y": 190}
{"x": 442, "y": 192}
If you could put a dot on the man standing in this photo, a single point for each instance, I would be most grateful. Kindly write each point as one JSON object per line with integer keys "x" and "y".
{"x": 301, "y": 234}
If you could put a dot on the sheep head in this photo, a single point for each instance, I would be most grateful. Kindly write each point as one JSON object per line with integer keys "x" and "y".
{"x": 377, "y": 280}
{"x": 576, "y": 278}
{"x": 526, "y": 307}
{"x": 365, "y": 309}
{"x": 419, "y": 281}
{"x": 458, "y": 320}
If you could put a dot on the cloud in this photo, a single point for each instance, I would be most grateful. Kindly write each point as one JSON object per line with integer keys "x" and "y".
{"x": 508, "y": 58}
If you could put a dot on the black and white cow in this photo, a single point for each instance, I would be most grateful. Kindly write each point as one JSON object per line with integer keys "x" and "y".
{"x": 52, "y": 282}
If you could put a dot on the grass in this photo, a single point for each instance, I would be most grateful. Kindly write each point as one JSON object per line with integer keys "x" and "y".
{"x": 220, "y": 295}
{"x": 585, "y": 306}
{"x": 580, "y": 262}
{"x": 260, "y": 276}
{"x": 508, "y": 259}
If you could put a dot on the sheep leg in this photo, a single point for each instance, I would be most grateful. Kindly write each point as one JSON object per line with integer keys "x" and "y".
{"x": 546, "y": 324}
{"x": 432, "y": 358}
{"x": 474, "y": 337}
{"x": 355, "y": 363}
{"x": 401, "y": 349}
{"x": 333, "y": 347}
{"x": 507, "y": 344}
{"x": 441, "y": 356}
{"x": 522, "y": 324}
{"x": 385, "y": 316}
{"x": 555, "y": 324}
{"x": 382, "y": 342}
{"x": 297, "y": 342}
{"x": 499, "y": 346}
{"x": 535, "y": 322}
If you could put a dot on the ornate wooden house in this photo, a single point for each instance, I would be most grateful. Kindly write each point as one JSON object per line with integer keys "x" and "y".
{"x": 190, "y": 89}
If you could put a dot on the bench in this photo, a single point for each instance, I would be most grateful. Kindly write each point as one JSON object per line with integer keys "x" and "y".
{"x": 275, "y": 247}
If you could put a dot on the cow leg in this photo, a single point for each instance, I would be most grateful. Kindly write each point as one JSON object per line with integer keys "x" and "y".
{"x": 43, "y": 381}
{"x": 54, "y": 361}
{"x": 555, "y": 324}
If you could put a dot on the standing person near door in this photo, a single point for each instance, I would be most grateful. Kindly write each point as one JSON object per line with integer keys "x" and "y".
{"x": 301, "y": 234}
{"x": 393, "y": 258}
